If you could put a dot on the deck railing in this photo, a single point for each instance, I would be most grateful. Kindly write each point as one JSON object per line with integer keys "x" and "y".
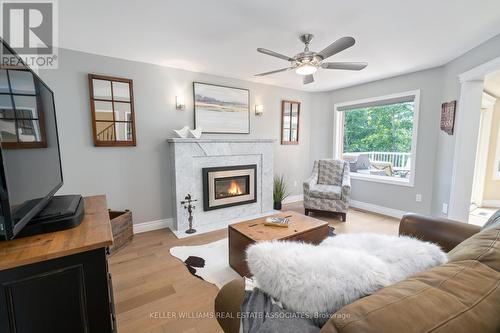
{"x": 398, "y": 160}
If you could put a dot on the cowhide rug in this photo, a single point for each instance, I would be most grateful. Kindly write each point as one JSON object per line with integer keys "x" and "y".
{"x": 209, "y": 262}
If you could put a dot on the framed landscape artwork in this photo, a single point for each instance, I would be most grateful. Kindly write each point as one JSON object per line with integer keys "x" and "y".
{"x": 220, "y": 109}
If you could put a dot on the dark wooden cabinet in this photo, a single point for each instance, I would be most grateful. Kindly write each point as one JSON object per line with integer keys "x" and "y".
{"x": 67, "y": 293}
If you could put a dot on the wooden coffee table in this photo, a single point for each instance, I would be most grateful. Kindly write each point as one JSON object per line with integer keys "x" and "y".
{"x": 301, "y": 228}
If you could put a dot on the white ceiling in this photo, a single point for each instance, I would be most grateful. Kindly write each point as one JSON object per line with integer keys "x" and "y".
{"x": 220, "y": 36}
{"x": 492, "y": 84}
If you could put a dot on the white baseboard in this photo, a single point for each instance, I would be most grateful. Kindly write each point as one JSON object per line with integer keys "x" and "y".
{"x": 293, "y": 198}
{"x": 168, "y": 223}
{"x": 491, "y": 203}
{"x": 358, "y": 204}
{"x": 153, "y": 225}
{"x": 378, "y": 209}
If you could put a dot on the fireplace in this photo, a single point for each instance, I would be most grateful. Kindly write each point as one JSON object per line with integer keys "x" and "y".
{"x": 229, "y": 186}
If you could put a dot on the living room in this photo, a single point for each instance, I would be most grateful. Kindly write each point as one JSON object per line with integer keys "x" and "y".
{"x": 355, "y": 126}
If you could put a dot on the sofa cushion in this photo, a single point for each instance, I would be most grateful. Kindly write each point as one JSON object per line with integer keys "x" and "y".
{"x": 483, "y": 246}
{"x": 326, "y": 191}
{"x": 463, "y": 296}
{"x": 493, "y": 221}
{"x": 228, "y": 305}
{"x": 330, "y": 172}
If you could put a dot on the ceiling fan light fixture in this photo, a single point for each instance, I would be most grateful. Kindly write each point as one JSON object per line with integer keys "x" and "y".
{"x": 307, "y": 62}
{"x": 306, "y": 69}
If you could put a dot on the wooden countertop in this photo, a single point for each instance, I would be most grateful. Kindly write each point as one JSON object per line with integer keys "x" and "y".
{"x": 257, "y": 231}
{"x": 94, "y": 232}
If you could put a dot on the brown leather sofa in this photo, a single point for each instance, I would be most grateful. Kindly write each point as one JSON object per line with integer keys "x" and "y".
{"x": 460, "y": 296}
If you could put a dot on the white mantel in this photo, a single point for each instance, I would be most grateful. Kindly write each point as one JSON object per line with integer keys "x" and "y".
{"x": 219, "y": 140}
{"x": 189, "y": 156}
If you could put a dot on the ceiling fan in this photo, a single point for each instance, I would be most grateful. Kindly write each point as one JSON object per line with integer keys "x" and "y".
{"x": 307, "y": 62}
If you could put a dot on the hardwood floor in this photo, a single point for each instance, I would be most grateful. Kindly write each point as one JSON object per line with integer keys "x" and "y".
{"x": 357, "y": 221}
{"x": 152, "y": 289}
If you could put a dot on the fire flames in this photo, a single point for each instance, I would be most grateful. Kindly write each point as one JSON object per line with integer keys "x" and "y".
{"x": 234, "y": 188}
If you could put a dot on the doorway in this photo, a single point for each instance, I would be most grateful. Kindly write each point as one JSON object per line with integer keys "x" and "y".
{"x": 467, "y": 135}
{"x": 485, "y": 198}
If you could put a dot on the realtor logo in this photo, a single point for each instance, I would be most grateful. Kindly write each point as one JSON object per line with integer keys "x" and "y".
{"x": 30, "y": 29}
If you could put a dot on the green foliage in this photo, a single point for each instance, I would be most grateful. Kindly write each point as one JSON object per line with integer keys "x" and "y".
{"x": 385, "y": 128}
{"x": 279, "y": 189}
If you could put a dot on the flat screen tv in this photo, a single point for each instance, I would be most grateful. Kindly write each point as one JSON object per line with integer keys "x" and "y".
{"x": 30, "y": 168}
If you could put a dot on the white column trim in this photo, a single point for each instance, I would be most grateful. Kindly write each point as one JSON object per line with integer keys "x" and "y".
{"x": 470, "y": 101}
{"x": 481, "y": 163}
{"x": 467, "y": 129}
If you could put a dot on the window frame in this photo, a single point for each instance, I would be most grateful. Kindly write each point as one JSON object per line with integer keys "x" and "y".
{"x": 338, "y": 136}
{"x": 40, "y": 119}
{"x": 289, "y": 142}
{"x": 112, "y": 143}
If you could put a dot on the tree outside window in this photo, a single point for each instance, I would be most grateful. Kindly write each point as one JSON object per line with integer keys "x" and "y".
{"x": 377, "y": 137}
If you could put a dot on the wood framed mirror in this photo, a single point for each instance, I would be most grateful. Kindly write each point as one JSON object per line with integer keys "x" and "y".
{"x": 290, "y": 119}
{"x": 22, "y": 123}
{"x": 112, "y": 106}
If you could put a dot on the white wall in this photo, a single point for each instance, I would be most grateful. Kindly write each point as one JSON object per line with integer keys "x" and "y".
{"x": 387, "y": 195}
{"x": 137, "y": 178}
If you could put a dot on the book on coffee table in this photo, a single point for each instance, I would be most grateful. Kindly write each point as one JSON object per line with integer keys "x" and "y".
{"x": 277, "y": 222}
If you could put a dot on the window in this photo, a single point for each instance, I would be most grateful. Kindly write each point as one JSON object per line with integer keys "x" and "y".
{"x": 21, "y": 118}
{"x": 290, "y": 115}
{"x": 377, "y": 137}
{"x": 112, "y": 105}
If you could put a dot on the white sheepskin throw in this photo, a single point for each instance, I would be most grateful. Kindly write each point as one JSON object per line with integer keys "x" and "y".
{"x": 322, "y": 279}
{"x": 314, "y": 279}
{"x": 404, "y": 256}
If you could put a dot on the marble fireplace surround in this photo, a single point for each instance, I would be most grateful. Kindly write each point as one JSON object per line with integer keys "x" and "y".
{"x": 189, "y": 156}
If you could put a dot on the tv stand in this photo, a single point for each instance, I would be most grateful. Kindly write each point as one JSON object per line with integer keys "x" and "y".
{"x": 62, "y": 212}
{"x": 59, "y": 282}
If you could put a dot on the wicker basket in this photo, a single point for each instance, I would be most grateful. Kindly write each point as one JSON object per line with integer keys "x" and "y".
{"x": 121, "y": 225}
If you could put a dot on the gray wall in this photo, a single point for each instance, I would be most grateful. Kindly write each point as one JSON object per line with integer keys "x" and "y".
{"x": 387, "y": 195}
{"x": 435, "y": 148}
{"x": 137, "y": 178}
{"x": 451, "y": 91}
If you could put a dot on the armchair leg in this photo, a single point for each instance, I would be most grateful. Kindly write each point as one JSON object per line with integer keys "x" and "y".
{"x": 343, "y": 217}
{"x": 306, "y": 213}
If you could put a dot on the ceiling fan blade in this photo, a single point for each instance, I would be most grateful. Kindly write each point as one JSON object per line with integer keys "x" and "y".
{"x": 274, "y": 54}
{"x": 350, "y": 66}
{"x": 276, "y": 71}
{"x": 337, "y": 46}
{"x": 308, "y": 79}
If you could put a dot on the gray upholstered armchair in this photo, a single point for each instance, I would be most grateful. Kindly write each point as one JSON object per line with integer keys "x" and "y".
{"x": 329, "y": 188}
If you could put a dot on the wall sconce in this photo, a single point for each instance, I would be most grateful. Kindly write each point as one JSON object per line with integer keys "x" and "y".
{"x": 179, "y": 103}
{"x": 259, "y": 110}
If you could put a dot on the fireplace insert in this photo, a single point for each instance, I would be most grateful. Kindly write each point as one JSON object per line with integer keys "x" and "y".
{"x": 229, "y": 186}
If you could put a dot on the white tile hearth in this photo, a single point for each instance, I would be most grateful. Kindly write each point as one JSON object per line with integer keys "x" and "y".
{"x": 190, "y": 156}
